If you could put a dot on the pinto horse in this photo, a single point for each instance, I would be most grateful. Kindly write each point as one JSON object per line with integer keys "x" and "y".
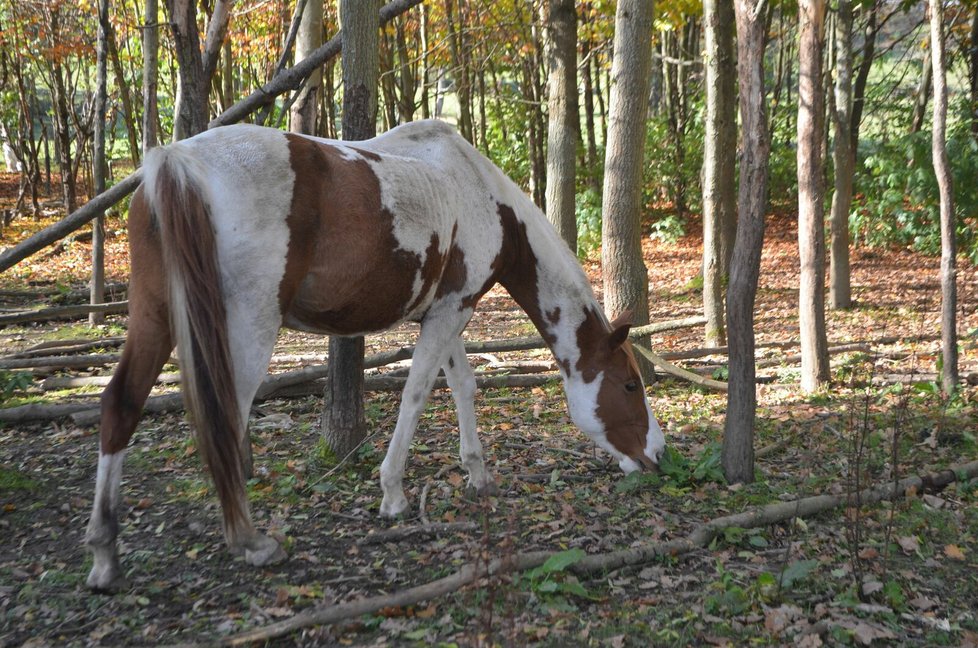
{"x": 242, "y": 230}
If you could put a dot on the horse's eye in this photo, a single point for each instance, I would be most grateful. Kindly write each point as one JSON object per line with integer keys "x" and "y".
{"x": 631, "y": 386}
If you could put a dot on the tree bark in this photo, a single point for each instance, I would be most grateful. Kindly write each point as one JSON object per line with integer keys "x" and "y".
{"x": 942, "y": 169}
{"x": 563, "y": 118}
{"x": 737, "y": 454}
{"x": 343, "y": 423}
{"x": 840, "y": 291}
{"x": 922, "y": 94}
{"x": 305, "y": 109}
{"x": 97, "y": 294}
{"x": 192, "y": 112}
{"x": 151, "y": 47}
{"x": 719, "y": 151}
{"x": 626, "y": 282}
{"x": 811, "y": 197}
{"x": 973, "y": 72}
{"x": 862, "y": 76}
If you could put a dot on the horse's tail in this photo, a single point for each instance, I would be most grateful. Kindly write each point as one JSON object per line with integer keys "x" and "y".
{"x": 198, "y": 318}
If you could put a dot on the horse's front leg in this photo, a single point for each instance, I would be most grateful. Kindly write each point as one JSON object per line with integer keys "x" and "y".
{"x": 431, "y": 352}
{"x": 147, "y": 348}
{"x": 461, "y": 380}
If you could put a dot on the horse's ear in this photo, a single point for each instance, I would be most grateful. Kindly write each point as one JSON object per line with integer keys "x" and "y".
{"x": 619, "y": 329}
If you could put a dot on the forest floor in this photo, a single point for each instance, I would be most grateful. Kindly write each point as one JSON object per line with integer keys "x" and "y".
{"x": 901, "y": 573}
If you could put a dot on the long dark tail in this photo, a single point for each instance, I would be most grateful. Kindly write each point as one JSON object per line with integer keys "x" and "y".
{"x": 199, "y": 321}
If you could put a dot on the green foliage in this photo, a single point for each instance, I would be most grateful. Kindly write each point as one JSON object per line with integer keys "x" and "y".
{"x": 550, "y": 581}
{"x": 900, "y": 202}
{"x": 587, "y": 206}
{"x": 668, "y": 229}
{"x": 672, "y": 168}
{"x": 676, "y": 472}
{"x": 12, "y": 382}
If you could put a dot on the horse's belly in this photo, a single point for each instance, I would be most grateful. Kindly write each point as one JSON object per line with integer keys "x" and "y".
{"x": 356, "y": 310}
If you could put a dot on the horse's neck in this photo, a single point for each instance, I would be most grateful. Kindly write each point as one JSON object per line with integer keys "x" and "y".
{"x": 547, "y": 281}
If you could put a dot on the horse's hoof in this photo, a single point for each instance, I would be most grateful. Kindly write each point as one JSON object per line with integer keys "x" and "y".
{"x": 489, "y": 489}
{"x": 394, "y": 506}
{"x": 265, "y": 551}
{"x": 106, "y": 581}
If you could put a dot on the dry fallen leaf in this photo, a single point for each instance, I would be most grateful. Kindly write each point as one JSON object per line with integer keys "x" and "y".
{"x": 954, "y": 552}
{"x": 909, "y": 544}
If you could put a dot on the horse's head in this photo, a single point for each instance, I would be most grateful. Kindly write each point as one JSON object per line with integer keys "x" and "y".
{"x": 609, "y": 402}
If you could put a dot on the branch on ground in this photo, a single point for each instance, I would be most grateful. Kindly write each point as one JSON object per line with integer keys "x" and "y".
{"x": 700, "y": 537}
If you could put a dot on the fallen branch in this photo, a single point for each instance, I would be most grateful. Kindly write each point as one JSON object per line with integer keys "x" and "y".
{"x": 679, "y": 372}
{"x": 62, "y": 347}
{"x": 61, "y": 362}
{"x": 700, "y": 537}
{"x": 53, "y": 383}
{"x": 90, "y": 414}
{"x": 662, "y": 327}
{"x": 64, "y": 312}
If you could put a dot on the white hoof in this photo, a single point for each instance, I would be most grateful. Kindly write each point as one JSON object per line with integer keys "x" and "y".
{"x": 263, "y": 550}
{"x": 106, "y": 576}
{"x": 393, "y": 504}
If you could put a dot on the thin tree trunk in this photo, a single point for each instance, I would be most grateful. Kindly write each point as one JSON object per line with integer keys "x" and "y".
{"x": 151, "y": 46}
{"x": 563, "y": 118}
{"x": 344, "y": 423}
{"x": 591, "y": 157}
{"x": 922, "y": 95}
{"x": 949, "y": 298}
{"x": 304, "y": 110}
{"x": 719, "y": 151}
{"x": 737, "y": 454}
{"x": 840, "y": 291}
{"x": 626, "y": 281}
{"x": 811, "y": 197}
{"x": 125, "y": 96}
{"x": 973, "y": 72}
{"x": 192, "y": 116}
{"x": 862, "y": 75}
{"x": 97, "y": 294}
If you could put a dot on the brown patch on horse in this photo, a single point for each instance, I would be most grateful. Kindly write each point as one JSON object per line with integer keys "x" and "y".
{"x": 346, "y": 272}
{"x": 190, "y": 253}
{"x": 148, "y": 342}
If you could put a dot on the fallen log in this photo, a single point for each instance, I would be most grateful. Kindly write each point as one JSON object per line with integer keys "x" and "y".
{"x": 61, "y": 362}
{"x": 61, "y": 347}
{"x": 64, "y": 312}
{"x": 89, "y": 415}
{"x": 53, "y": 383}
{"x": 700, "y": 537}
{"x": 679, "y": 372}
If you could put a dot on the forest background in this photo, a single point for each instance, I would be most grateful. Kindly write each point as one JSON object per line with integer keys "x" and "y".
{"x": 487, "y": 67}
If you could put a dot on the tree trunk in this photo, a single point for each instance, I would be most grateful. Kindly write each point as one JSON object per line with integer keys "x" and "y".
{"x": 304, "y": 110}
{"x": 719, "y": 151}
{"x": 973, "y": 72}
{"x": 563, "y": 118}
{"x": 737, "y": 454}
{"x": 626, "y": 281}
{"x": 151, "y": 47}
{"x": 862, "y": 76}
{"x": 811, "y": 197}
{"x": 344, "y": 423}
{"x": 125, "y": 96}
{"x": 922, "y": 95}
{"x": 97, "y": 294}
{"x": 840, "y": 291}
{"x": 949, "y": 298}
{"x": 192, "y": 113}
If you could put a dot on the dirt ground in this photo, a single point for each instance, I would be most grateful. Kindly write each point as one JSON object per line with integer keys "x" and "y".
{"x": 902, "y": 574}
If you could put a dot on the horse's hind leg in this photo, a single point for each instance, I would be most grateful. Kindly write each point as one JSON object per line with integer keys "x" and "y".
{"x": 147, "y": 348}
{"x": 461, "y": 380}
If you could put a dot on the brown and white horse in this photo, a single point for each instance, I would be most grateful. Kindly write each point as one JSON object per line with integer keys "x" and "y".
{"x": 242, "y": 230}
